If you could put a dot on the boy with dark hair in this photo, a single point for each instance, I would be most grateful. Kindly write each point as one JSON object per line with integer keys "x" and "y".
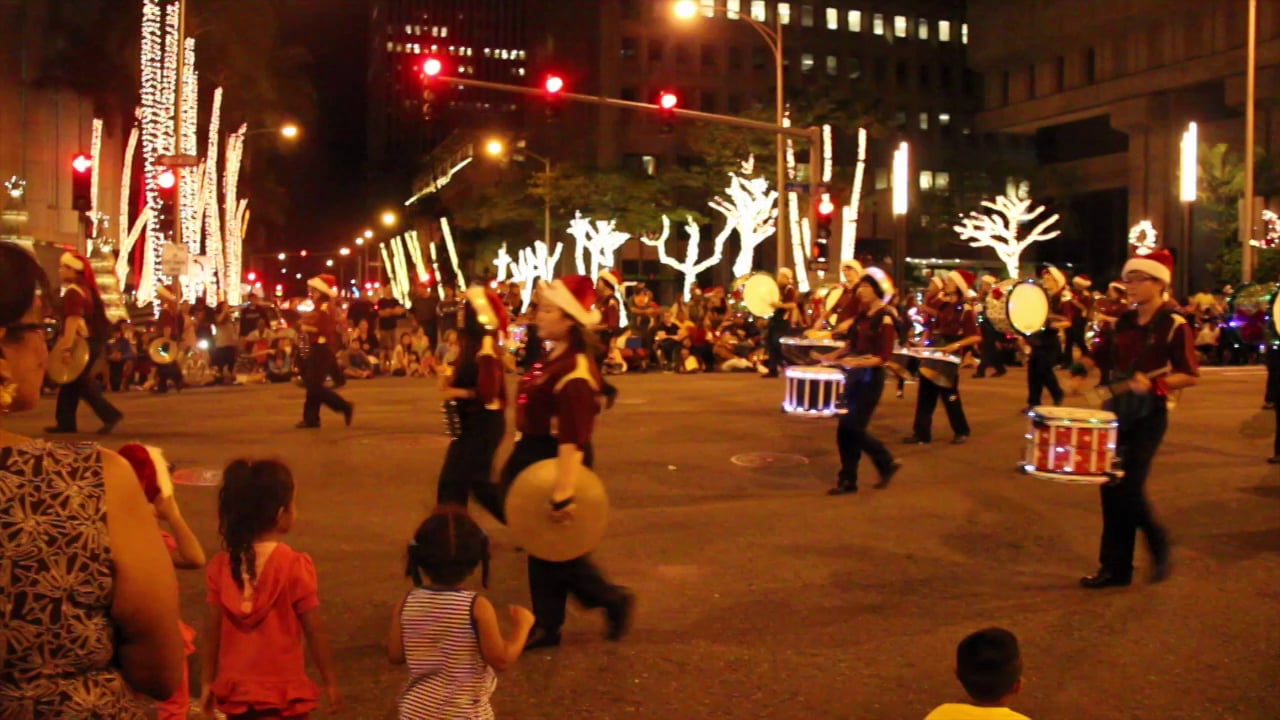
{"x": 989, "y": 667}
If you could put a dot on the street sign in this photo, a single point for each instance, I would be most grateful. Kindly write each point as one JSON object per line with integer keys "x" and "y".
{"x": 178, "y": 161}
{"x": 174, "y": 260}
{"x": 798, "y": 187}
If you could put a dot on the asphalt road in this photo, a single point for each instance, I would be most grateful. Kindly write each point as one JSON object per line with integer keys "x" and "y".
{"x": 760, "y": 597}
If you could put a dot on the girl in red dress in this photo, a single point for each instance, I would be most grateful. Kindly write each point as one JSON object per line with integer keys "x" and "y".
{"x": 263, "y": 599}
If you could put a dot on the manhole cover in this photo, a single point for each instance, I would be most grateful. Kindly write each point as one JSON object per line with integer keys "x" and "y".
{"x": 197, "y": 476}
{"x": 766, "y": 459}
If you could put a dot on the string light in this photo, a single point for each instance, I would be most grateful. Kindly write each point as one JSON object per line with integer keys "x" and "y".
{"x": 1144, "y": 238}
{"x": 600, "y": 239}
{"x": 415, "y": 252}
{"x": 435, "y": 268}
{"x": 503, "y": 262}
{"x": 127, "y": 236}
{"x": 901, "y": 178}
{"x": 95, "y": 152}
{"x": 848, "y": 248}
{"x": 189, "y": 180}
{"x": 387, "y": 265}
{"x": 159, "y": 66}
{"x": 453, "y": 253}
{"x": 536, "y": 262}
{"x": 750, "y": 208}
{"x": 1000, "y": 231}
{"x": 16, "y": 187}
{"x": 1271, "y": 231}
{"x": 234, "y": 215}
{"x": 691, "y": 267}
{"x": 800, "y": 241}
{"x": 209, "y": 210}
{"x": 828, "y": 149}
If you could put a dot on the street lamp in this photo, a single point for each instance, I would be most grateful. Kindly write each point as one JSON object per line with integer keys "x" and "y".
{"x": 344, "y": 251}
{"x": 495, "y": 147}
{"x": 687, "y": 10}
{"x": 368, "y": 234}
{"x": 389, "y": 219}
{"x": 288, "y": 131}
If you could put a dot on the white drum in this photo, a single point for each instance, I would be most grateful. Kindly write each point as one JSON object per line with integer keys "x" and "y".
{"x": 1017, "y": 306}
{"x": 760, "y": 293}
{"x": 813, "y": 390}
{"x": 1072, "y": 445}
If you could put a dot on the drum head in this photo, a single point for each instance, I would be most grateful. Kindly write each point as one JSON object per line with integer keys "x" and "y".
{"x": 528, "y": 513}
{"x": 833, "y": 299}
{"x": 1070, "y": 414}
{"x": 760, "y": 294}
{"x": 1275, "y": 314}
{"x": 1028, "y": 308}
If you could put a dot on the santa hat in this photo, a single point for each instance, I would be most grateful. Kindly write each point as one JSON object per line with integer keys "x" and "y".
{"x": 73, "y": 261}
{"x": 989, "y": 280}
{"x": 880, "y": 282}
{"x": 854, "y": 265}
{"x": 489, "y": 308}
{"x": 1081, "y": 282}
{"x": 575, "y": 295}
{"x": 1056, "y": 274}
{"x": 1117, "y": 286}
{"x": 1158, "y": 264}
{"x": 151, "y": 468}
{"x": 963, "y": 280}
{"x": 325, "y": 283}
{"x": 611, "y": 277}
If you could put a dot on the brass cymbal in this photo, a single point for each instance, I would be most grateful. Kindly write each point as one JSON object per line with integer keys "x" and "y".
{"x": 529, "y": 513}
{"x": 64, "y": 368}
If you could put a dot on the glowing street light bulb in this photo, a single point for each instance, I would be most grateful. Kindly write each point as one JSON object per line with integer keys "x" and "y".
{"x": 389, "y": 219}
{"x": 280, "y": 257}
{"x": 686, "y": 9}
{"x": 344, "y": 252}
{"x": 368, "y": 234}
{"x": 328, "y": 263}
{"x": 495, "y": 147}
{"x": 359, "y": 241}
{"x": 290, "y": 131}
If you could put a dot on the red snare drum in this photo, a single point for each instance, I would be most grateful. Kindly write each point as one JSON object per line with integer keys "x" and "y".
{"x": 1072, "y": 445}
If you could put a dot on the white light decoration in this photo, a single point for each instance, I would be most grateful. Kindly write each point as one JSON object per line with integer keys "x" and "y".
{"x": 435, "y": 268}
{"x": 387, "y": 265}
{"x": 400, "y": 280}
{"x": 791, "y": 150}
{"x": 233, "y": 215}
{"x": 828, "y": 151}
{"x": 691, "y": 266}
{"x": 536, "y": 262}
{"x": 503, "y": 263}
{"x": 96, "y": 153}
{"x": 1144, "y": 238}
{"x": 1271, "y": 231}
{"x": 849, "y": 244}
{"x": 750, "y": 207}
{"x": 415, "y": 253}
{"x": 210, "y": 214}
{"x": 1189, "y": 173}
{"x": 599, "y": 239}
{"x": 453, "y": 254}
{"x": 999, "y": 231}
{"x": 159, "y": 68}
{"x": 127, "y": 236}
{"x": 16, "y": 187}
{"x": 801, "y": 241}
{"x": 901, "y": 178}
{"x": 189, "y": 179}
{"x": 129, "y": 241}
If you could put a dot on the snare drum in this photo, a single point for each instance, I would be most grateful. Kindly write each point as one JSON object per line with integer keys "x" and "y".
{"x": 1017, "y": 306}
{"x": 797, "y": 350}
{"x": 813, "y": 390}
{"x": 1072, "y": 445}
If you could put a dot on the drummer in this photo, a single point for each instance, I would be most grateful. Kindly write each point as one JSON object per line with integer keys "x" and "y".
{"x": 1153, "y": 351}
{"x": 785, "y": 313}
{"x": 955, "y": 329}
{"x": 555, "y": 416}
{"x": 1046, "y": 345}
{"x": 847, "y": 308}
{"x": 989, "y": 353}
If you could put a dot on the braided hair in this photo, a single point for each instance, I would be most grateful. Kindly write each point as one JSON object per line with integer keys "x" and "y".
{"x": 253, "y": 494}
{"x": 447, "y": 547}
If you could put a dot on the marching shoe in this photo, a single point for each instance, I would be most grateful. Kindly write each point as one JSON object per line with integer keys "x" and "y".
{"x": 843, "y": 489}
{"x": 304, "y": 425}
{"x": 959, "y": 439}
{"x": 1274, "y": 460}
{"x": 979, "y": 375}
{"x": 109, "y": 426}
{"x": 619, "y": 616}
{"x": 1000, "y": 373}
{"x": 349, "y": 413}
{"x": 1104, "y": 578}
{"x": 542, "y": 638}
{"x": 915, "y": 440}
{"x": 888, "y": 475}
{"x": 1160, "y": 571}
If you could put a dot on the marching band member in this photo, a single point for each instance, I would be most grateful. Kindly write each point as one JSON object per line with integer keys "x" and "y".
{"x": 84, "y": 316}
{"x": 1082, "y": 303}
{"x": 784, "y": 312}
{"x": 955, "y": 328}
{"x": 321, "y": 362}
{"x": 478, "y": 386}
{"x": 1152, "y": 351}
{"x": 989, "y": 351}
{"x": 170, "y": 326}
{"x": 848, "y": 309}
{"x": 872, "y": 343}
{"x": 610, "y": 324}
{"x": 555, "y": 416}
{"x": 1046, "y": 345}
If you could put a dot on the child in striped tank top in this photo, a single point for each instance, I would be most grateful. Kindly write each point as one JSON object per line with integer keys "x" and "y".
{"x": 449, "y": 637}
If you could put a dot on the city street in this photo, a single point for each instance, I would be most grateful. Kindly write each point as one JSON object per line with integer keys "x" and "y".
{"x": 761, "y": 597}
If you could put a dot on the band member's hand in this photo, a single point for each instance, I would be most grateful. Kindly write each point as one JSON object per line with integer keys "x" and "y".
{"x": 561, "y": 506}
{"x": 207, "y": 705}
{"x": 521, "y": 617}
{"x": 1140, "y": 384}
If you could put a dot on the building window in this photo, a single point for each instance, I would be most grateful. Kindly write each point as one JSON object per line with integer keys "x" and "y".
{"x": 1031, "y": 81}
{"x": 922, "y": 29}
{"x": 708, "y": 8}
{"x": 877, "y": 24}
{"x": 758, "y": 11}
{"x": 944, "y": 119}
{"x": 1091, "y": 66}
{"x": 735, "y": 103}
{"x": 630, "y": 9}
{"x": 964, "y": 33}
{"x": 942, "y": 181}
{"x": 882, "y": 178}
{"x": 708, "y": 102}
{"x": 945, "y": 79}
{"x": 1004, "y": 88}
{"x": 944, "y": 31}
{"x": 924, "y": 121}
{"x": 833, "y": 65}
{"x": 650, "y": 165}
{"x": 708, "y": 56}
{"x": 1060, "y": 72}
{"x": 900, "y": 118}
{"x": 733, "y": 9}
{"x": 806, "y": 16}
{"x": 855, "y": 68}
{"x": 758, "y": 58}
{"x": 900, "y": 73}
{"x": 833, "y": 18}
{"x": 855, "y": 21}
{"x": 806, "y": 62}
{"x": 656, "y": 48}
{"x": 882, "y": 71}
{"x": 900, "y": 26}
{"x": 735, "y": 57}
{"x": 784, "y": 13}
{"x": 630, "y": 47}
{"x": 926, "y": 180}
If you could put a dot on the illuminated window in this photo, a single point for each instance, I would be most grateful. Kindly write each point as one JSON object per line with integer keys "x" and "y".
{"x": 942, "y": 181}
{"x": 758, "y": 12}
{"x": 964, "y": 33}
{"x": 806, "y": 15}
{"x": 944, "y": 119}
{"x": 833, "y": 65}
{"x": 900, "y": 26}
{"x": 855, "y": 21}
{"x": 708, "y": 8}
{"x": 924, "y": 121}
{"x": 733, "y": 9}
{"x": 926, "y": 180}
{"x": 833, "y": 19}
{"x": 784, "y": 13}
{"x": 650, "y": 164}
{"x": 922, "y": 29}
{"x": 877, "y": 24}
{"x": 944, "y": 31}
{"x": 806, "y": 62}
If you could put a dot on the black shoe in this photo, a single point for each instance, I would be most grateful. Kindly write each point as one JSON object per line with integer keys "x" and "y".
{"x": 619, "y": 616}
{"x": 1027, "y": 410}
{"x": 843, "y": 489}
{"x": 349, "y": 413}
{"x": 1160, "y": 571}
{"x": 304, "y": 425}
{"x": 542, "y": 638}
{"x": 1103, "y": 579}
{"x": 915, "y": 440}
{"x": 887, "y": 476}
{"x": 610, "y": 396}
{"x": 959, "y": 439}
{"x": 979, "y": 375}
{"x": 1274, "y": 460}
{"x": 1269, "y": 406}
{"x": 109, "y": 426}
{"x": 56, "y": 430}
{"x": 1000, "y": 373}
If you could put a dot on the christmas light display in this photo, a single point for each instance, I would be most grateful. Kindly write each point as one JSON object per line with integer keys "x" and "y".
{"x": 849, "y": 234}
{"x": 1000, "y": 231}
{"x": 435, "y": 268}
{"x": 750, "y": 209}
{"x": 127, "y": 242}
{"x": 503, "y": 263}
{"x": 1270, "y": 232}
{"x": 389, "y": 267}
{"x": 233, "y": 215}
{"x": 537, "y": 262}
{"x": 189, "y": 179}
{"x": 828, "y": 151}
{"x": 209, "y": 213}
{"x": 95, "y": 152}
{"x": 691, "y": 266}
{"x": 159, "y": 68}
{"x": 16, "y": 187}
{"x": 599, "y": 239}
{"x": 126, "y": 235}
{"x": 801, "y": 239}
{"x": 453, "y": 253}
{"x": 415, "y": 253}
{"x": 1143, "y": 238}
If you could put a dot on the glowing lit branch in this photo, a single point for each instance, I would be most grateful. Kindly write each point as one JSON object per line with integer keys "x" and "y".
{"x": 750, "y": 209}
{"x": 599, "y": 239}
{"x": 999, "y": 230}
{"x": 453, "y": 254}
{"x": 690, "y": 268}
{"x": 849, "y": 243}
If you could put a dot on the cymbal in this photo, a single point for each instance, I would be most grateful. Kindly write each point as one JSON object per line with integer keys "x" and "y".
{"x": 529, "y": 513}
{"x": 64, "y": 369}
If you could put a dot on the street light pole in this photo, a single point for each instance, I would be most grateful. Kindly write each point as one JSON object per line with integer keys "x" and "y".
{"x": 1250, "y": 83}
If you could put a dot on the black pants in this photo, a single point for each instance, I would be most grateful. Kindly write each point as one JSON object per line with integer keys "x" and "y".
{"x": 318, "y": 366}
{"x": 551, "y": 583}
{"x": 1273, "y": 375}
{"x": 1075, "y": 339}
{"x": 1125, "y": 508}
{"x": 168, "y": 373}
{"x": 469, "y": 461}
{"x": 115, "y": 375}
{"x": 1041, "y": 376}
{"x": 989, "y": 351}
{"x": 852, "y": 437}
{"x": 224, "y": 360}
{"x": 927, "y": 401}
{"x": 86, "y": 388}
{"x": 777, "y": 327}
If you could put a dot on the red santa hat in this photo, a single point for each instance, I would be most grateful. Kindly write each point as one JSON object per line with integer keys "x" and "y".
{"x": 1158, "y": 264}
{"x": 963, "y": 280}
{"x": 151, "y": 468}
{"x": 1081, "y": 282}
{"x": 575, "y": 295}
{"x": 1118, "y": 286}
{"x": 611, "y": 277}
{"x": 1056, "y": 274}
{"x": 324, "y": 283}
{"x": 489, "y": 308}
{"x": 880, "y": 282}
{"x": 73, "y": 261}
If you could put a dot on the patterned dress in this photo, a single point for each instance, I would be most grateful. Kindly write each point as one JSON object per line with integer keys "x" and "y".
{"x": 56, "y": 587}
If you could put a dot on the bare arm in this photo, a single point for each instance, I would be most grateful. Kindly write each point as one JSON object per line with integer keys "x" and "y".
{"x": 210, "y": 645}
{"x": 395, "y": 641}
{"x": 189, "y": 555}
{"x": 145, "y": 605}
{"x": 321, "y": 651}
{"x": 501, "y": 652}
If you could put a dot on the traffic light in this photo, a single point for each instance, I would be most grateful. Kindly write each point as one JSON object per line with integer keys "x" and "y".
{"x": 667, "y": 102}
{"x": 167, "y": 190}
{"x": 822, "y": 234}
{"x": 553, "y": 85}
{"x": 82, "y": 183}
{"x": 432, "y": 67}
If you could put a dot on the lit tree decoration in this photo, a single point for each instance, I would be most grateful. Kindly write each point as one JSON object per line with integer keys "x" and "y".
{"x": 999, "y": 231}
{"x": 159, "y": 65}
{"x": 1144, "y": 238}
{"x": 849, "y": 243}
{"x": 415, "y": 252}
{"x": 209, "y": 212}
{"x": 1271, "y": 231}
{"x": 96, "y": 153}
{"x": 128, "y": 236}
{"x": 453, "y": 254}
{"x": 801, "y": 241}
{"x": 503, "y": 262}
{"x": 16, "y": 187}
{"x": 749, "y": 209}
{"x": 690, "y": 267}
{"x": 537, "y": 262}
{"x": 233, "y": 215}
{"x": 435, "y": 267}
{"x": 189, "y": 179}
{"x": 599, "y": 239}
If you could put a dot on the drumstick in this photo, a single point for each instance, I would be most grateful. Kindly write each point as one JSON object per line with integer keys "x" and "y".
{"x": 1098, "y": 396}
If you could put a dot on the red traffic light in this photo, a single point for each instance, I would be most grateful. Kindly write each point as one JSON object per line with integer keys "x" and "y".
{"x": 167, "y": 180}
{"x": 432, "y": 67}
{"x": 82, "y": 163}
{"x": 553, "y": 84}
{"x": 668, "y": 101}
{"x": 825, "y": 206}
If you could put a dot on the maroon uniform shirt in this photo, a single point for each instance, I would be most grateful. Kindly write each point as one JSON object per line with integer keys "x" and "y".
{"x": 876, "y": 334}
{"x": 1165, "y": 343}
{"x": 610, "y": 312}
{"x": 326, "y": 329}
{"x": 849, "y": 307}
{"x": 491, "y": 386}
{"x": 557, "y": 398}
{"x": 955, "y": 321}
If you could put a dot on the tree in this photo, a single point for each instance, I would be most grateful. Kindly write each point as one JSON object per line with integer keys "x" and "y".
{"x": 691, "y": 266}
{"x": 636, "y": 202}
{"x": 999, "y": 230}
{"x": 1217, "y": 213}
{"x": 751, "y": 210}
